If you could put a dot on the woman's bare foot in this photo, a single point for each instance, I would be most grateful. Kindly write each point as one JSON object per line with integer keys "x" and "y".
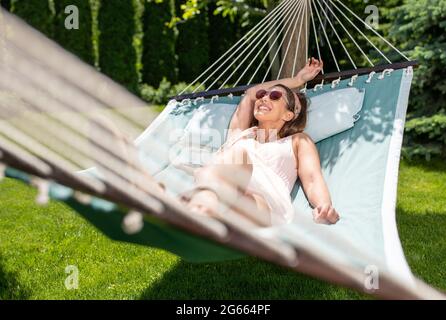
{"x": 159, "y": 186}
{"x": 206, "y": 203}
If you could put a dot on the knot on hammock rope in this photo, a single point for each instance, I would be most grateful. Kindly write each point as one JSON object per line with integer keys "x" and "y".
{"x": 352, "y": 80}
{"x": 133, "y": 222}
{"x": 196, "y": 100}
{"x": 216, "y": 97}
{"x": 2, "y": 170}
{"x": 43, "y": 189}
{"x": 384, "y": 73}
{"x": 369, "y": 79}
{"x": 186, "y": 102}
{"x": 82, "y": 198}
{"x": 335, "y": 83}
{"x": 319, "y": 86}
{"x": 408, "y": 71}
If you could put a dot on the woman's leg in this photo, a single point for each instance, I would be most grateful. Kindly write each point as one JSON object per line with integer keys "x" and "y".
{"x": 231, "y": 171}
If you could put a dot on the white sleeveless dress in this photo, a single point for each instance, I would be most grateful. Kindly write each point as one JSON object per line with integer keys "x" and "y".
{"x": 274, "y": 172}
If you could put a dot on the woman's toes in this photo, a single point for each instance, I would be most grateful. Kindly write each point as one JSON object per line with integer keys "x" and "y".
{"x": 200, "y": 210}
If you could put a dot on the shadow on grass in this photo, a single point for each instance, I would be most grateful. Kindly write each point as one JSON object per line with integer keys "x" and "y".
{"x": 242, "y": 279}
{"x": 424, "y": 244}
{"x": 10, "y": 287}
{"x": 422, "y": 239}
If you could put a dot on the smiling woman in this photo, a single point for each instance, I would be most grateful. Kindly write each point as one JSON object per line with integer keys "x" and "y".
{"x": 297, "y": 105}
{"x": 268, "y": 151}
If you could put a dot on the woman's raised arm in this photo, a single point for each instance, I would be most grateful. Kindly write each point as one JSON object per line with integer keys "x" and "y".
{"x": 243, "y": 116}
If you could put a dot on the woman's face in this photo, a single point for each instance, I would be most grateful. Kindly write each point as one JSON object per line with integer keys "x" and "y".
{"x": 267, "y": 109}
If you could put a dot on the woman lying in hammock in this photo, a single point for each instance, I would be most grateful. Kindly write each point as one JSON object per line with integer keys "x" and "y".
{"x": 266, "y": 150}
{"x": 253, "y": 173}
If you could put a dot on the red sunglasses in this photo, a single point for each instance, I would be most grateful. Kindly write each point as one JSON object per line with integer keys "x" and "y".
{"x": 273, "y": 95}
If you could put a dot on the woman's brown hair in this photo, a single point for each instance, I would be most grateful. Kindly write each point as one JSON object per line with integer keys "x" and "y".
{"x": 297, "y": 124}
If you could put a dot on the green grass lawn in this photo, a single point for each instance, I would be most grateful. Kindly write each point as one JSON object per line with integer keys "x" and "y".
{"x": 37, "y": 243}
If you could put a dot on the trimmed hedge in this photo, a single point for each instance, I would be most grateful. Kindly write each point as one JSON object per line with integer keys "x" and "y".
{"x": 78, "y": 41}
{"x": 223, "y": 33}
{"x": 95, "y": 6}
{"x": 36, "y": 13}
{"x": 192, "y": 46}
{"x": 118, "y": 57}
{"x": 5, "y": 4}
{"x": 159, "y": 57}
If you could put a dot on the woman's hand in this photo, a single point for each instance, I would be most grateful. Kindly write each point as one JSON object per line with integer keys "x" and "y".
{"x": 325, "y": 214}
{"x": 310, "y": 71}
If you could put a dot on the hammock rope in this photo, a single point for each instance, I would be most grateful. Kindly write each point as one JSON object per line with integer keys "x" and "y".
{"x": 302, "y": 12}
{"x": 362, "y": 33}
{"x": 249, "y": 49}
{"x": 258, "y": 53}
{"x": 260, "y": 64}
{"x": 327, "y": 38}
{"x": 373, "y": 30}
{"x": 349, "y": 35}
{"x": 292, "y": 12}
{"x": 278, "y": 48}
{"x": 315, "y": 35}
{"x": 336, "y": 33}
{"x": 280, "y": 8}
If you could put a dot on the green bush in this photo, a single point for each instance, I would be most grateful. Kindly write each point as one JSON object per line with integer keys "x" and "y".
{"x": 36, "y": 13}
{"x": 419, "y": 28}
{"x": 117, "y": 56}
{"x": 77, "y": 41}
{"x": 159, "y": 57}
{"x": 192, "y": 46}
{"x": 425, "y": 137}
{"x": 164, "y": 92}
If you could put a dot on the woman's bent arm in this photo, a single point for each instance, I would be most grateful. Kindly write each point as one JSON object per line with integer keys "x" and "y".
{"x": 310, "y": 173}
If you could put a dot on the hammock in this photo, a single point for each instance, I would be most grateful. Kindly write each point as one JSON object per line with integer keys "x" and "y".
{"x": 60, "y": 116}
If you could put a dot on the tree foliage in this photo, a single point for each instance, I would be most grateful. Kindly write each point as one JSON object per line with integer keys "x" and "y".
{"x": 420, "y": 29}
{"x": 192, "y": 46}
{"x": 243, "y": 10}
